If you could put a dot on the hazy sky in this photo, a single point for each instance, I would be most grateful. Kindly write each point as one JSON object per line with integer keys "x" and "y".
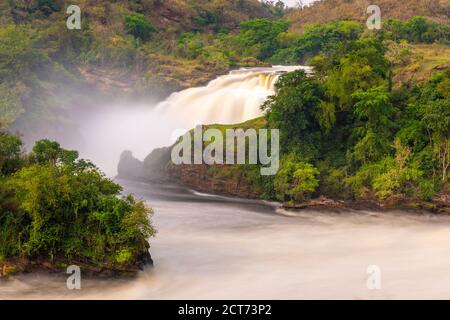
{"x": 294, "y": 2}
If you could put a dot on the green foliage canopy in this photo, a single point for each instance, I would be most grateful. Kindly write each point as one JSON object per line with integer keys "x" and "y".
{"x": 59, "y": 208}
{"x": 139, "y": 26}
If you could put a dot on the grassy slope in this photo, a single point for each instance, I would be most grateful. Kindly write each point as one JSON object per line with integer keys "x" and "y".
{"x": 327, "y": 10}
{"x": 425, "y": 60}
{"x": 170, "y": 17}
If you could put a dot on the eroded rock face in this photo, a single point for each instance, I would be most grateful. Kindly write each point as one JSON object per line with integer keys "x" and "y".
{"x": 220, "y": 179}
{"x": 153, "y": 168}
{"x": 155, "y": 164}
{"x": 145, "y": 260}
{"x": 58, "y": 265}
{"x": 129, "y": 167}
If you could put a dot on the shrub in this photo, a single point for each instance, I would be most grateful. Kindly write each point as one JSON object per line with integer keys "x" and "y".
{"x": 47, "y": 7}
{"x": 139, "y": 26}
{"x": 10, "y": 153}
{"x": 295, "y": 180}
{"x": 262, "y": 33}
{"x": 62, "y": 208}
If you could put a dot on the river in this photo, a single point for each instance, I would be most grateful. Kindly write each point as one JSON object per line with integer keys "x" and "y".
{"x": 212, "y": 247}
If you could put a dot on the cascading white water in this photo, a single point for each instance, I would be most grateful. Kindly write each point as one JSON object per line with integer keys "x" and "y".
{"x": 232, "y": 98}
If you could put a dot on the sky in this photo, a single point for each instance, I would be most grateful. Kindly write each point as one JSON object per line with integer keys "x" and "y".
{"x": 293, "y": 3}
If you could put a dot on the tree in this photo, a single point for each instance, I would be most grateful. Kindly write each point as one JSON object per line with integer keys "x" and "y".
{"x": 331, "y": 38}
{"x": 62, "y": 209}
{"x": 10, "y": 153}
{"x": 295, "y": 180}
{"x": 139, "y": 26}
{"x": 17, "y": 55}
{"x": 46, "y": 151}
{"x": 262, "y": 34}
{"x": 47, "y": 7}
{"x": 399, "y": 179}
{"x": 294, "y": 110}
{"x": 277, "y": 9}
{"x": 374, "y": 112}
{"x": 364, "y": 66}
{"x": 428, "y": 122}
{"x": 437, "y": 120}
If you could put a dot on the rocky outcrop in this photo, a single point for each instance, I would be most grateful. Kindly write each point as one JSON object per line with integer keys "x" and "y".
{"x": 153, "y": 168}
{"x": 155, "y": 164}
{"x": 220, "y": 179}
{"x": 9, "y": 267}
{"x": 129, "y": 167}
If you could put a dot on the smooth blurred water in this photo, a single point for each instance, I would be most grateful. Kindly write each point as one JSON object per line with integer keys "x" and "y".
{"x": 211, "y": 247}
{"x": 110, "y": 128}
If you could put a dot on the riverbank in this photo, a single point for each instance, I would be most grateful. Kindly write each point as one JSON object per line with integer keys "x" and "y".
{"x": 439, "y": 204}
{"x": 231, "y": 180}
{"x": 58, "y": 265}
{"x": 214, "y": 247}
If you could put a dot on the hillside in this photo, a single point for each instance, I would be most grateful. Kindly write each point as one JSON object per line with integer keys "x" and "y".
{"x": 104, "y": 44}
{"x": 171, "y": 15}
{"x": 327, "y": 10}
{"x": 420, "y": 63}
{"x": 46, "y": 69}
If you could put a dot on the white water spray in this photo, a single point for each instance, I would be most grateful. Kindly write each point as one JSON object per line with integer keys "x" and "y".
{"x": 232, "y": 98}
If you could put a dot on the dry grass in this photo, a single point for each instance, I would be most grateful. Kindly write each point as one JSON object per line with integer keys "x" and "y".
{"x": 425, "y": 60}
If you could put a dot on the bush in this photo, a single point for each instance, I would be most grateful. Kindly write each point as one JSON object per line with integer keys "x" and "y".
{"x": 295, "y": 180}
{"x": 262, "y": 33}
{"x": 10, "y": 153}
{"x": 62, "y": 208}
{"x": 294, "y": 110}
{"x": 206, "y": 18}
{"x": 139, "y": 26}
{"x": 417, "y": 29}
{"x": 47, "y": 7}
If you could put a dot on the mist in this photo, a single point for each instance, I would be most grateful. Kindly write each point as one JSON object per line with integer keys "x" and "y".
{"x": 102, "y": 128}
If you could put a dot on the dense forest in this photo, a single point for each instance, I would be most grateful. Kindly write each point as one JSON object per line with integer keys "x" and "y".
{"x": 372, "y": 124}
{"x": 125, "y": 49}
{"x": 56, "y": 208}
{"x": 350, "y": 131}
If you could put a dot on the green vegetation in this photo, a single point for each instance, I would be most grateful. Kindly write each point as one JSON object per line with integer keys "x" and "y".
{"x": 295, "y": 181}
{"x": 372, "y": 123}
{"x": 138, "y": 26}
{"x": 44, "y": 67}
{"x": 416, "y": 30}
{"x": 358, "y": 129}
{"x": 258, "y": 37}
{"x": 191, "y": 41}
{"x": 348, "y": 133}
{"x": 324, "y": 11}
{"x": 55, "y": 207}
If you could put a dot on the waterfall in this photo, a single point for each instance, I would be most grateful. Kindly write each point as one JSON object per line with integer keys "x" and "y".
{"x": 232, "y": 98}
